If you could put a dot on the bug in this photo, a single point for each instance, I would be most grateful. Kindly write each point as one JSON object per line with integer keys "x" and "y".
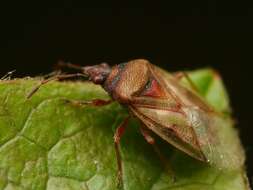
{"x": 164, "y": 106}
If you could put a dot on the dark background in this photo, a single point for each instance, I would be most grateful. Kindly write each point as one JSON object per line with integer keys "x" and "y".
{"x": 34, "y": 36}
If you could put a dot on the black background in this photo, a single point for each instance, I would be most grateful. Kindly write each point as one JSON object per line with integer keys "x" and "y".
{"x": 177, "y": 36}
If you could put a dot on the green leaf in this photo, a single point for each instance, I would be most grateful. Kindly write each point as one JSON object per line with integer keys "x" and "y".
{"x": 48, "y": 144}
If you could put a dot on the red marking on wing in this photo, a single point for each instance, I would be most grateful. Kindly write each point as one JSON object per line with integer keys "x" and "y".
{"x": 154, "y": 90}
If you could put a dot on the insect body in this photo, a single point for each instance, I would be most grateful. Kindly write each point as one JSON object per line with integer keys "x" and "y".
{"x": 157, "y": 103}
{"x": 163, "y": 105}
{"x": 173, "y": 112}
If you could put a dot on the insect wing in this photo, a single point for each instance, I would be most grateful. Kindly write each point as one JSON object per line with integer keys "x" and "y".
{"x": 180, "y": 136}
{"x": 160, "y": 109}
{"x": 183, "y": 119}
{"x": 216, "y": 136}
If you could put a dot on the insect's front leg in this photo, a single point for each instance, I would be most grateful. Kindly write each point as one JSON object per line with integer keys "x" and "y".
{"x": 93, "y": 102}
{"x": 151, "y": 140}
{"x": 117, "y": 136}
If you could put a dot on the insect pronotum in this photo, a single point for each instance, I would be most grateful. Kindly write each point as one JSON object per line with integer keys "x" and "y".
{"x": 164, "y": 106}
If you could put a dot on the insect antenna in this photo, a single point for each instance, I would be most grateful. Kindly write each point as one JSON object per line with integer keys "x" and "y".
{"x": 62, "y": 64}
{"x": 57, "y": 77}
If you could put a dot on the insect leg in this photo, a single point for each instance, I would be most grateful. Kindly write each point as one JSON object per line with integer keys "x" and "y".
{"x": 57, "y": 77}
{"x": 151, "y": 140}
{"x": 183, "y": 74}
{"x": 118, "y": 134}
{"x": 94, "y": 102}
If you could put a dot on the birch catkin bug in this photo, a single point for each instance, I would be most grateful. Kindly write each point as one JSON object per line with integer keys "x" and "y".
{"x": 164, "y": 106}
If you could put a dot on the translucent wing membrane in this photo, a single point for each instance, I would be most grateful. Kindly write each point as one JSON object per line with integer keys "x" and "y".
{"x": 210, "y": 130}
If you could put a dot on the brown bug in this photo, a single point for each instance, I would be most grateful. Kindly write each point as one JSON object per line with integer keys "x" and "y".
{"x": 164, "y": 106}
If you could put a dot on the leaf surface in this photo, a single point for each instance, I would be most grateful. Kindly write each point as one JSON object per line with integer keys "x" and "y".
{"x": 47, "y": 144}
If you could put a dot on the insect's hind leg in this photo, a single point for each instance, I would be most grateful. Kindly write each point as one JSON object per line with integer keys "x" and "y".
{"x": 151, "y": 140}
{"x": 117, "y": 136}
{"x": 182, "y": 74}
{"x": 57, "y": 77}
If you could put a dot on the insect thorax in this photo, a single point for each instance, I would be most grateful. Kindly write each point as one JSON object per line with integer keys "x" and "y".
{"x": 127, "y": 80}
